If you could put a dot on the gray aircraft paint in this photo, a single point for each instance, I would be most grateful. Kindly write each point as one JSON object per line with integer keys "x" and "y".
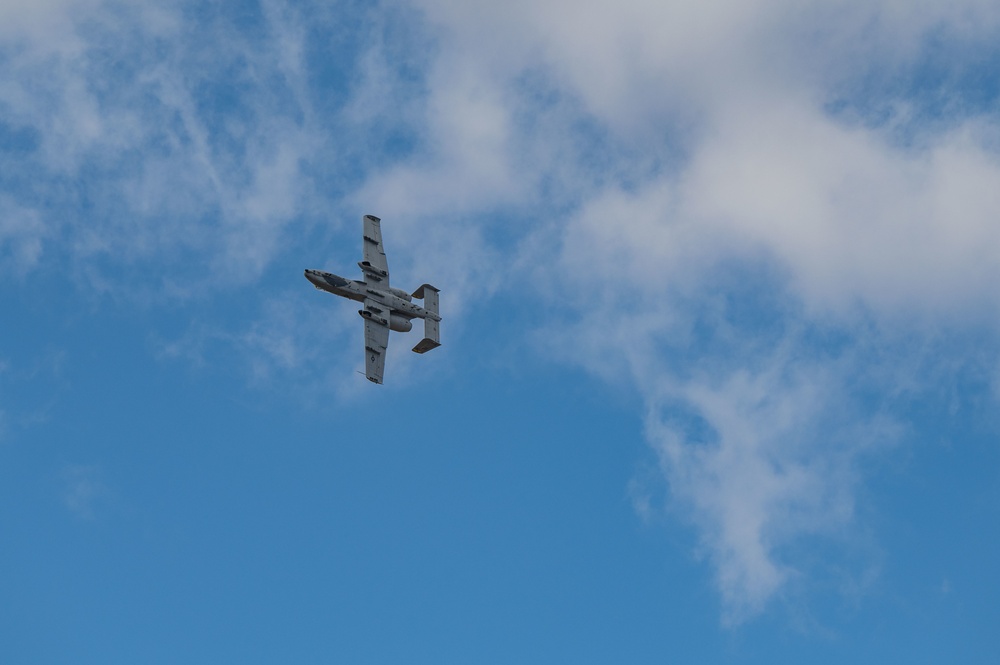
{"x": 385, "y": 308}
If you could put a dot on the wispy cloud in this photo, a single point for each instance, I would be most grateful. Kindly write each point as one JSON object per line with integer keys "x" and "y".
{"x": 83, "y": 490}
{"x": 3, "y": 415}
{"x": 29, "y": 386}
{"x": 761, "y": 460}
{"x": 149, "y": 133}
{"x": 306, "y": 341}
{"x": 21, "y": 235}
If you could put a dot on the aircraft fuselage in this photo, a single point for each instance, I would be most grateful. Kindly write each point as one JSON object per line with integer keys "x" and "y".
{"x": 360, "y": 291}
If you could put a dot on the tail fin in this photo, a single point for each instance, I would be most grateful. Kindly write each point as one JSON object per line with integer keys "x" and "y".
{"x": 432, "y": 325}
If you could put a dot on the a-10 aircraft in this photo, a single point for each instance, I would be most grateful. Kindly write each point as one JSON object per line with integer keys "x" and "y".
{"x": 385, "y": 308}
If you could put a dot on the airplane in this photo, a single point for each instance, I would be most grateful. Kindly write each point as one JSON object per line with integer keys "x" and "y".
{"x": 385, "y": 308}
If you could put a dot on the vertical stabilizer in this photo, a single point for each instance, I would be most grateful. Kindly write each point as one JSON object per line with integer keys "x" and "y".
{"x": 432, "y": 322}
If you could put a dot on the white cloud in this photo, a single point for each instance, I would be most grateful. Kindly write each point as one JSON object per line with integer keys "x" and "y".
{"x": 46, "y": 22}
{"x": 775, "y": 462}
{"x": 855, "y": 220}
{"x": 715, "y": 171}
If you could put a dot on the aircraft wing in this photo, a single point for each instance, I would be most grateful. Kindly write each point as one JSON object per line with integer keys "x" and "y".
{"x": 376, "y": 339}
{"x": 377, "y": 266}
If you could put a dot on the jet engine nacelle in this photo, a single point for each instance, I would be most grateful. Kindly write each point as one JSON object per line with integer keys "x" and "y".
{"x": 400, "y": 324}
{"x": 365, "y": 314}
{"x": 402, "y": 294}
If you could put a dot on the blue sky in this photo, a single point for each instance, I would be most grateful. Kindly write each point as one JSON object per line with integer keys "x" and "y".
{"x": 720, "y": 370}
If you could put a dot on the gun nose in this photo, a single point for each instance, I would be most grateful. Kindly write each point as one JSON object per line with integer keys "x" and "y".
{"x": 313, "y": 276}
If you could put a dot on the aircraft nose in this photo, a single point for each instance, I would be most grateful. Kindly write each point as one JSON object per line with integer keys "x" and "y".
{"x": 313, "y": 276}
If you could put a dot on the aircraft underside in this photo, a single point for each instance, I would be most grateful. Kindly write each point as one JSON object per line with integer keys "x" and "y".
{"x": 385, "y": 308}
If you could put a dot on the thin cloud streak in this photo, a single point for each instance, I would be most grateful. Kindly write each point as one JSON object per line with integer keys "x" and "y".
{"x": 84, "y": 490}
{"x": 180, "y": 142}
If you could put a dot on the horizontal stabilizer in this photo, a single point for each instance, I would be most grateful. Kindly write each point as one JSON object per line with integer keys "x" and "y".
{"x": 425, "y": 345}
{"x": 419, "y": 293}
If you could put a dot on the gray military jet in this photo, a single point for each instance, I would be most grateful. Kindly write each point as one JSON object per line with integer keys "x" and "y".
{"x": 385, "y": 308}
